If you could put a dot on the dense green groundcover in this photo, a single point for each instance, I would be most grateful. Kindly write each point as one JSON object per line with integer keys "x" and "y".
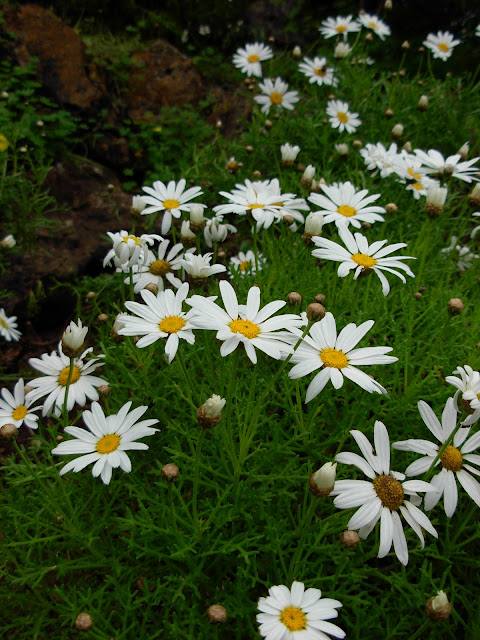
{"x": 146, "y": 557}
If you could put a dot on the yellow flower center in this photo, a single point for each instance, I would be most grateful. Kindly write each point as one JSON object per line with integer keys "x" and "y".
{"x": 363, "y": 260}
{"x": 246, "y": 264}
{"x": 372, "y": 24}
{"x": 346, "y": 210}
{"x": 390, "y": 491}
{"x": 3, "y": 323}
{"x": 245, "y": 327}
{"x": 256, "y": 206}
{"x": 20, "y": 412}
{"x": 63, "y": 377}
{"x": 418, "y": 186}
{"x": 134, "y": 238}
{"x": 276, "y": 98}
{"x": 3, "y": 142}
{"x": 293, "y": 618}
{"x": 172, "y": 324}
{"x": 341, "y": 28}
{"x": 159, "y": 267}
{"x": 253, "y": 58}
{"x": 451, "y": 459}
{"x": 320, "y": 71}
{"x": 412, "y": 174}
{"x": 342, "y": 116}
{"x": 109, "y": 443}
{"x": 443, "y": 47}
{"x": 333, "y": 358}
{"x": 171, "y": 204}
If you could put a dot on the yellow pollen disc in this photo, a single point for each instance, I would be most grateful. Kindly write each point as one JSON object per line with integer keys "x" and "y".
{"x": 346, "y": 210}
{"x": 171, "y": 204}
{"x": 293, "y": 618}
{"x": 3, "y": 323}
{"x": 246, "y": 264}
{"x": 372, "y": 25}
{"x": 412, "y": 174}
{"x": 276, "y": 97}
{"x": 390, "y": 491}
{"x": 253, "y": 58}
{"x": 363, "y": 260}
{"x": 245, "y": 327}
{"x": 63, "y": 377}
{"x": 418, "y": 186}
{"x": 341, "y": 28}
{"x": 127, "y": 238}
{"x": 20, "y": 412}
{"x": 319, "y": 71}
{"x": 342, "y": 116}
{"x": 109, "y": 443}
{"x": 443, "y": 47}
{"x": 451, "y": 459}
{"x": 256, "y": 206}
{"x": 333, "y": 358}
{"x": 159, "y": 267}
{"x": 172, "y": 324}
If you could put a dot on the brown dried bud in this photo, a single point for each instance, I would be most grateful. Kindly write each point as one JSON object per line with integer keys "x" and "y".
{"x": 320, "y": 298}
{"x": 205, "y": 420}
{"x": 406, "y": 45}
{"x": 27, "y": 388}
{"x": 294, "y": 299}
{"x": 422, "y": 288}
{"x": 152, "y": 287}
{"x": 455, "y": 306}
{"x": 268, "y": 124}
{"x": 59, "y": 438}
{"x": 104, "y": 390}
{"x": 417, "y": 295}
{"x": 102, "y": 318}
{"x": 90, "y": 296}
{"x": 350, "y": 538}
{"x": 369, "y": 37}
{"x": 389, "y": 114}
{"x": 288, "y": 220}
{"x": 357, "y": 144}
{"x": 366, "y": 225}
{"x": 402, "y": 73}
{"x": 249, "y": 148}
{"x": 216, "y": 613}
{"x": 438, "y": 608}
{"x": 477, "y": 346}
{"x": 170, "y": 471}
{"x": 315, "y": 311}
{"x": 391, "y": 207}
{"x": 8, "y": 432}
{"x": 257, "y": 174}
{"x": 84, "y": 621}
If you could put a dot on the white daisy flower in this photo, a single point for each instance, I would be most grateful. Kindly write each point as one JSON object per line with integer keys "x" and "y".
{"x": 289, "y": 153}
{"x": 344, "y": 205}
{"x": 158, "y": 267}
{"x": 407, "y": 167}
{"x": 217, "y": 231}
{"x": 341, "y": 118}
{"x": 434, "y": 162}
{"x": 8, "y": 327}
{"x": 248, "y": 325}
{"x": 468, "y": 386}
{"x": 53, "y": 384}
{"x": 360, "y": 257}
{"x": 244, "y": 263}
{"x": 383, "y": 497}
{"x": 255, "y": 199}
{"x": 297, "y": 613}
{"x": 128, "y": 250}
{"x": 378, "y": 158}
{"x": 477, "y": 31}
{"x": 275, "y": 93}
{"x": 106, "y": 441}
{"x": 374, "y": 23}
{"x": 336, "y": 356}
{"x": 339, "y": 26}
{"x": 73, "y": 338}
{"x": 16, "y": 409}
{"x": 421, "y": 186}
{"x": 441, "y": 44}
{"x": 172, "y": 199}
{"x": 160, "y": 317}
{"x": 199, "y": 268}
{"x": 465, "y": 255}
{"x": 456, "y": 460}
{"x": 317, "y": 71}
{"x": 474, "y": 231}
{"x": 248, "y": 59}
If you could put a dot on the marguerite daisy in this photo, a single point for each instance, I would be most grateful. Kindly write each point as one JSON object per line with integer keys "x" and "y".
{"x": 8, "y": 329}
{"x": 318, "y": 71}
{"x": 441, "y": 44}
{"x": 160, "y": 266}
{"x": 383, "y": 497}
{"x": 217, "y": 231}
{"x": 172, "y": 199}
{"x": 468, "y": 386}
{"x": 456, "y": 459}
{"x": 341, "y": 118}
{"x": 275, "y": 93}
{"x": 364, "y": 259}
{"x": 16, "y": 409}
{"x": 339, "y": 26}
{"x": 199, "y": 268}
{"x": 344, "y": 205}
{"x": 377, "y": 157}
{"x": 128, "y": 249}
{"x": 244, "y": 263}
{"x": 297, "y": 613}
{"x": 248, "y": 59}
{"x": 434, "y": 162}
{"x": 106, "y": 441}
{"x": 375, "y": 24}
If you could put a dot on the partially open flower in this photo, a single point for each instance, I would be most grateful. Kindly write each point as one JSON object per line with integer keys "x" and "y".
{"x": 397, "y": 131}
{"x": 197, "y": 220}
{"x": 313, "y": 226}
{"x": 474, "y": 197}
{"x": 422, "y": 103}
{"x": 322, "y": 482}
{"x": 73, "y": 339}
{"x": 8, "y": 242}
{"x": 463, "y": 151}
{"x": 438, "y": 608}
{"x": 186, "y": 234}
{"x": 435, "y": 201}
{"x": 210, "y": 413}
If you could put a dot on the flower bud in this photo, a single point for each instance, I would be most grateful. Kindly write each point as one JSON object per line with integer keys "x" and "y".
{"x": 197, "y": 221}
{"x": 341, "y": 50}
{"x": 417, "y": 295}
{"x": 249, "y": 148}
{"x": 73, "y": 339}
{"x": 210, "y": 413}
{"x": 357, "y": 144}
{"x": 435, "y": 201}
{"x": 117, "y": 325}
{"x": 104, "y": 390}
{"x": 268, "y": 124}
{"x": 138, "y": 205}
{"x": 397, "y": 131}
{"x": 294, "y": 299}
{"x": 8, "y": 242}
{"x": 474, "y": 197}
{"x": 232, "y": 165}
{"x": 170, "y": 471}
{"x": 90, "y": 296}
{"x": 342, "y": 149}
{"x": 455, "y": 306}
{"x": 186, "y": 234}
{"x": 369, "y": 37}
{"x": 315, "y": 311}
{"x": 102, "y": 318}
{"x": 313, "y": 226}
{"x": 321, "y": 482}
{"x": 84, "y": 621}
{"x": 438, "y": 608}
{"x": 422, "y": 103}
{"x": 8, "y": 432}
{"x": 308, "y": 174}
{"x": 297, "y": 52}
{"x": 216, "y": 613}
{"x": 388, "y": 114}
{"x": 289, "y": 154}
{"x": 257, "y": 174}
{"x": 391, "y": 207}
{"x": 288, "y": 220}
{"x": 388, "y": 5}
{"x": 405, "y": 45}
{"x": 320, "y": 298}
{"x": 152, "y": 287}
{"x": 464, "y": 150}
{"x": 350, "y": 539}
{"x": 407, "y": 146}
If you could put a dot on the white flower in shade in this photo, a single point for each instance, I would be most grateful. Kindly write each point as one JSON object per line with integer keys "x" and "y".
{"x": 289, "y": 153}
{"x": 128, "y": 250}
{"x": 138, "y": 204}
{"x": 275, "y": 93}
{"x": 474, "y": 231}
{"x": 314, "y": 224}
{"x": 342, "y": 50}
{"x": 339, "y": 26}
{"x": 436, "y": 197}
{"x": 106, "y": 441}
{"x": 217, "y": 231}
{"x": 16, "y": 409}
{"x": 53, "y": 384}
{"x": 308, "y": 174}
{"x": 287, "y": 614}
{"x": 317, "y": 71}
{"x": 322, "y": 482}
{"x": 172, "y": 199}
{"x": 160, "y": 317}
{"x": 186, "y": 233}
{"x": 434, "y": 162}
{"x": 421, "y": 186}
{"x": 375, "y": 24}
{"x": 8, "y": 327}
{"x": 8, "y": 242}
{"x": 244, "y": 263}
{"x": 341, "y": 118}
{"x": 477, "y": 31}
{"x": 159, "y": 267}
{"x": 248, "y": 59}
{"x": 362, "y": 258}
{"x": 344, "y": 205}
{"x": 465, "y": 255}
{"x": 441, "y": 44}
{"x": 248, "y": 325}
{"x": 378, "y": 158}
{"x": 198, "y": 267}
{"x": 73, "y": 338}
{"x": 383, "y": 497}
{"x": 407, "y": 166}
{"x": 336, "y": 356}
{"x": 468, "y": 386}
{"x": 456, "y": 460}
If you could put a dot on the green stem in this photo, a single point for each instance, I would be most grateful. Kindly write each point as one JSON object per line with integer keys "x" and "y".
{"x": 185, "y": 375}
{"x": 132, "y": 294}
{"x": 196, "y": 473}
{"x": 255, "y": 247}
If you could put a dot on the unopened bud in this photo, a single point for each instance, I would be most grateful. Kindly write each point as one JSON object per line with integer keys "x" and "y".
{"x": 350, "y": 538}
{"x": 474, "y": 197}
{"x": 102, "y": 318}
{"x": 27, "y": 388}
{"x": 288, "y": 220}
{"x": 357, "y": 144}
{"x": 249, "y": 148}
{"x": 104, "y": 390}
{"x": 405, "y": 45}
{"x": 8, "y": 242}
{"x": 210, "y": 413}
{"x": 342, "y": 149}
{"x": 320, "y": 298}
{"x": 170, "y": 471}
{"x": 186, "y": 234}
{"x": 423, "y": 103}
{"x": 268, "y": 125}
{"x": 397, "y": 131}
{"x": 216, "y": 613}
{"x": 152, "y": 287}
{"x": 90, "y": 296}
{"x": 369, "y": 37}
{"x": 197, "y": 220}
{"x": 84, "y": 621}
{"x": 294, "y": 299}
{"x": 321, "y": 482}
{"x": 389, "y": 114}
{"x": 391, "y": 207}
{"x": 455, "y": 306}
{"x": 388, "y": 5}
{"x": 8, "y": 432}
{"x": 315, "y": 311}
{"x": 438, "y": 608}
{"x": 417, "y": 295}
{"x": 407, "y": 146}
{"x": 435, "y": 201}
{"x": 464, "y": 151}
{"x": 297, "y": 52}
{"x": 257, "y": 174}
